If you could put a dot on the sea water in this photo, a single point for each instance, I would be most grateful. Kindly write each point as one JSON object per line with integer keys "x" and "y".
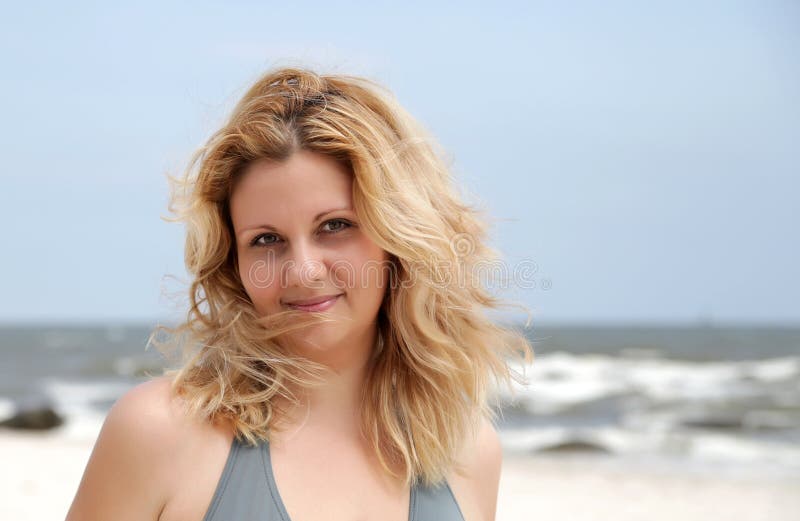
{"x": 688, "y": 394}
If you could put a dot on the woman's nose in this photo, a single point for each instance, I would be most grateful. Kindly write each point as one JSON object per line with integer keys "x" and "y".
{"x": 304, "y": 266}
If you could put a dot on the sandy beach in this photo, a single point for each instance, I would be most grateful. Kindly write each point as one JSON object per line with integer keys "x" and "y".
{"x": 41, "y": 472}
{"x": 595, "y": 487}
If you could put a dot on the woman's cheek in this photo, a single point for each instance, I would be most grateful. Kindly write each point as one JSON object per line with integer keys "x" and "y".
{"x": 260, "y": 283}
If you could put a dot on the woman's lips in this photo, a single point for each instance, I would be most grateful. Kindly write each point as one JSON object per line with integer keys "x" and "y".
{"x": 318, "y": 306}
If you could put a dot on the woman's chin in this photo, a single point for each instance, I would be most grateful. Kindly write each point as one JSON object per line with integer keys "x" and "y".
{"x": 316, "y": 338}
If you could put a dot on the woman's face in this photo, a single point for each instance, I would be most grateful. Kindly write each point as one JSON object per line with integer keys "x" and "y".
{"x": 299, "y": 242}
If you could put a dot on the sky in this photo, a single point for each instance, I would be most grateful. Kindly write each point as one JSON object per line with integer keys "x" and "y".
{"x": 640, "y": 159}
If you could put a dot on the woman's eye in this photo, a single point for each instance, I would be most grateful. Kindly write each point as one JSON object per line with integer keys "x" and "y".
{"x": 269, "y": 238}
{"x": 335, "y": 225}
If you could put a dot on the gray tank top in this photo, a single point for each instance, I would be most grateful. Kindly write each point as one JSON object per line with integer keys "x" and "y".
{"x": 246, "y": 491}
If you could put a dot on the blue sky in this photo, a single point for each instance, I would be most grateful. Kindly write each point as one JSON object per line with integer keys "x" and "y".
{"x": 643, "y": 155}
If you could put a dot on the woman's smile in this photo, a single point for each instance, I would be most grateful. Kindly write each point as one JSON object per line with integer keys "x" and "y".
{"x": 315, "y": 304}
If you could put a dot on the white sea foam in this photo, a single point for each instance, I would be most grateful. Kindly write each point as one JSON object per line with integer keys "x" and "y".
{"x": 697, "y": 410}
{"x": 81, "y": 403}
{"x": 6, "y": 408}
{"x": 561, "y": 380}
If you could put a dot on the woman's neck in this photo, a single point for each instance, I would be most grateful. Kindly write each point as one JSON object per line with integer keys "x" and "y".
{"x": 334, "y": 406}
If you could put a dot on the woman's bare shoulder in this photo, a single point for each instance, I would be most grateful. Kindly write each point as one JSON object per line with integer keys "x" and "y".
{"x": 477, "y": 486}
{"x": 131, "y": 470}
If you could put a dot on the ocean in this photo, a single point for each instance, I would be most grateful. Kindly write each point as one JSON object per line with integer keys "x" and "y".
{"x": 685, "y": 394}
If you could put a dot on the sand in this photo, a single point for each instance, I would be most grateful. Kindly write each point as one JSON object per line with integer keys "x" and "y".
{"x": 41, "y": 472}
{"x": 590, "y": 487}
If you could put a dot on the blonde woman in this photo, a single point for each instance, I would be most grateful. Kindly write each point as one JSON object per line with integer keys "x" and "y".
{"x": 337, "y": 357}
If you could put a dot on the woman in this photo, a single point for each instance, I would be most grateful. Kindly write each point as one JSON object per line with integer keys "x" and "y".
{"x": 337, "y": 356}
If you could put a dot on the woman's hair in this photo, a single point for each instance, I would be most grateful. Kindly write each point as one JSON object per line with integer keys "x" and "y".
{"x": 438, "y": 354}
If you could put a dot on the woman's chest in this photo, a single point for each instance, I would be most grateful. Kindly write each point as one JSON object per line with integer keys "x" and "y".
{"x": 287, "y": 483}
{"x": 338, "y": 481}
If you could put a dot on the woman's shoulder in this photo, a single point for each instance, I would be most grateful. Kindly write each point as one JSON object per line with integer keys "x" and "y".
{"x": 476, "y": 486}
{"x": 151, "y": 415}
{"x": 137, "y": 457}
{"x": 158, "y": 423}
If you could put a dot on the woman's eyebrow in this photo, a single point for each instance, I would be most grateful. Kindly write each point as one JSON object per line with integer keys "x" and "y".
{"x": 316, "y": 218}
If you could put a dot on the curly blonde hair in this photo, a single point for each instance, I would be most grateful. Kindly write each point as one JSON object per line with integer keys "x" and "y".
{"x": 438, "y": 354}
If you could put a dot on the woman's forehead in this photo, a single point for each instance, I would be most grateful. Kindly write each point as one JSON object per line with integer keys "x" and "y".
{"x": 299, "y": 189}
